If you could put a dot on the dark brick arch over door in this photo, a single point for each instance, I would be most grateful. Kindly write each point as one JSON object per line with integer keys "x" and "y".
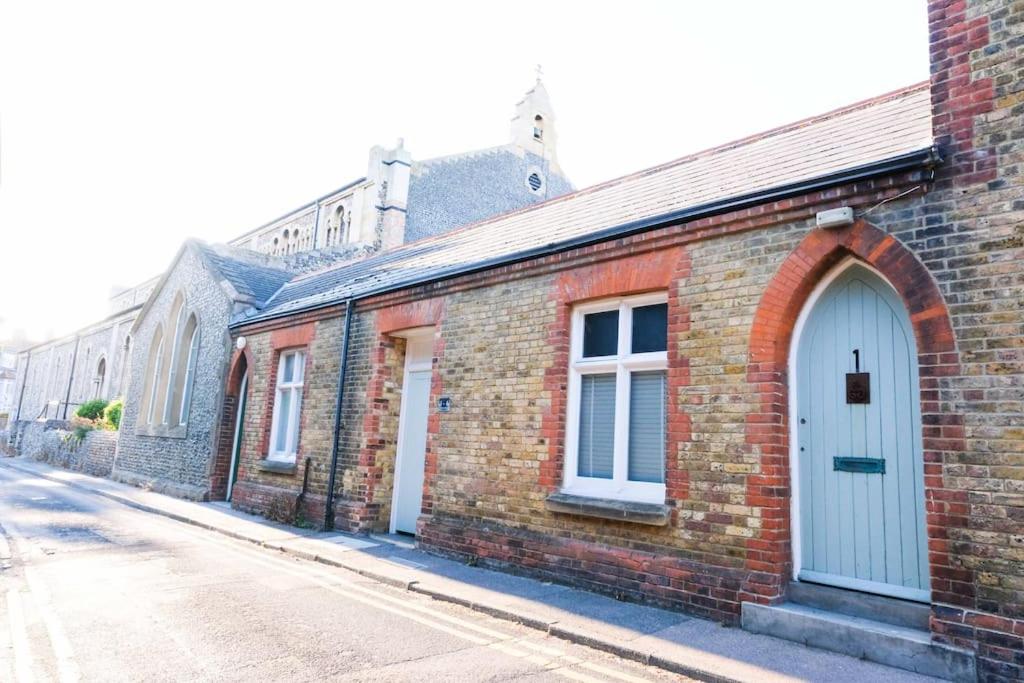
{"x": 226, "y": 430}
{"x": 768, "y": 430}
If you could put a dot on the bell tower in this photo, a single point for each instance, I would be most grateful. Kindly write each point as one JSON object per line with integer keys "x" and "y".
{"x": 533, "y": 126}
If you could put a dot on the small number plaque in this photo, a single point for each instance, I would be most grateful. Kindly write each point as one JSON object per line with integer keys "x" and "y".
{"x": 859, "y": 465}
{"x": 858, "y": 387}
{"x": 444, "y": 404}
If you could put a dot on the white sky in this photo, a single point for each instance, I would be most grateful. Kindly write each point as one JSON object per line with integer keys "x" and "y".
{"x": 126, "y": 127}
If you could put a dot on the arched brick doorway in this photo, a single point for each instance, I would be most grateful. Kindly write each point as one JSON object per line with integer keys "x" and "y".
{"x": 225, "y": 465}
{"x": 772, "y": 336}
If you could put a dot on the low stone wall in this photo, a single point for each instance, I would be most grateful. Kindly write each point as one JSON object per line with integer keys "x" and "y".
{"x": 54, "y": 442}
{"x": 167, "y": 486}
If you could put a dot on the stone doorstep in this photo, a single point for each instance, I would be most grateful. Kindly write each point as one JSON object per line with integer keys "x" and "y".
{"x": 902, "y": 647}
{"x": 853, "y": 603}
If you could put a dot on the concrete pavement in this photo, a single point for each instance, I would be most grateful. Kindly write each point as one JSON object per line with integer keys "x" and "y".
{"x": 669, "y": 641}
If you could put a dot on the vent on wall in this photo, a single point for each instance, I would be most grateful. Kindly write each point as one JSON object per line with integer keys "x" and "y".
{"x": 535, "y": 180}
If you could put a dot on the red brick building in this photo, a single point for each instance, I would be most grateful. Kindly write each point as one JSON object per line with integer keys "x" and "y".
{"x": 691, "y": 386}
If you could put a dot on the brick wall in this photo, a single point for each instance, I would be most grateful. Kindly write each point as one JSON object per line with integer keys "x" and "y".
{"x": 974, "y": 242}
{"x": 500, "y": 352}
{"x": 369, "y": 426}
{"x": 950, "y": 243}
{"x": 272, "y": 493}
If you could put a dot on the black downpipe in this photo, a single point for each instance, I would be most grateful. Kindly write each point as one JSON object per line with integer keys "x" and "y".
{"x": 305, "y": 487}
{"x": 329, "y": 506}
{"x": 24, "y": 382}
{"x": 71, "y": 377}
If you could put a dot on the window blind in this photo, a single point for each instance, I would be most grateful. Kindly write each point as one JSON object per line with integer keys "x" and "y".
{"x": 597, "y": 426}
{"x": 647, "y": 426}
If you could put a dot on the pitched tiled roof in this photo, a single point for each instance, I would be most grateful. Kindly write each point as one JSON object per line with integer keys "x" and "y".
{"x": 884, "y": 128}
{"x": 254, "y": 276}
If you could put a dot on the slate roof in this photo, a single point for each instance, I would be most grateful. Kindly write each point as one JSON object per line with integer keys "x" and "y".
{"x": 884, "y": 128}
{"x": 254, "y": 277}
{"x": 449, "y": 192}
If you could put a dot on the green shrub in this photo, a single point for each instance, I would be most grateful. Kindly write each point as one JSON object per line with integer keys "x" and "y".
{"x": 91, "y": 410}
{"x": 112, "y": 413}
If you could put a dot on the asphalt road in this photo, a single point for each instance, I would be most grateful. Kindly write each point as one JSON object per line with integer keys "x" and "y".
{"x": 94, "y": 591}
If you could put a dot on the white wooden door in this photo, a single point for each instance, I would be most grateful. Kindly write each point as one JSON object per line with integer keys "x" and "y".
{"x": 412, "y": 446}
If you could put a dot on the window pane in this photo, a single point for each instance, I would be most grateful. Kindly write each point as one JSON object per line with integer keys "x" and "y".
{"x": 193, "y": 352}
{"x": 293, "y": 443}
{"x": 289, "y": 367}
{"x": 597, "y": 426}
{"x": 647, "y": 426}
{"x": 650, "y": 328}
{"x": 601, "y": 334}
{"x": 284, "y": 414}
{"x": 300, "y": 366}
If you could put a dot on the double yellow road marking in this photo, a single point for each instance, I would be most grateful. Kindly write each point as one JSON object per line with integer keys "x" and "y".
{"x": 554, "y": 659}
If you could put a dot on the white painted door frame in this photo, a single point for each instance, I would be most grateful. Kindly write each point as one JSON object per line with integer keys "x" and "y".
{"x": 418, "y": 358}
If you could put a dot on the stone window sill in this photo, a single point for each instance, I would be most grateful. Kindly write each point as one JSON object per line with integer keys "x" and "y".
{"x": 164, "y": 431}
{"x": 653, "y": 514}
{"x": 276, "y": 466}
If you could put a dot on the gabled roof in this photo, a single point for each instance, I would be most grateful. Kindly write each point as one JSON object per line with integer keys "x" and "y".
{"x": 246, "y": 276}
{"x": 865, "y": 138}
{"x": 255, "y": 277}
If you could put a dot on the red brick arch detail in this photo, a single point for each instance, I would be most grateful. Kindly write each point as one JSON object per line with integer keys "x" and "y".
{"x": 236, "y": 369}
{"x": 404, "y": 316}
{"x": 241, "y": 359}
{"x": 769, "y": 554}
{"x": 651, "y": 271}
{"x": 815, "y": 256}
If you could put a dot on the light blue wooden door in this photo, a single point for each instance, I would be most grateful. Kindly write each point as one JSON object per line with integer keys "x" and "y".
{"x": 860, "y": 530}
{"x": 412, "y": 447}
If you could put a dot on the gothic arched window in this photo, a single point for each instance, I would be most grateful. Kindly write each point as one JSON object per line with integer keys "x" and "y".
{"x": 185, "y": 365}
{"x": 101, "y": 374}
{"x": 175, "y": 325}
{"x": 538, "y": 127}
{"x": 171, "y": 368}
{"x": 338, "y": 223}
{"x": 153, "y": 367}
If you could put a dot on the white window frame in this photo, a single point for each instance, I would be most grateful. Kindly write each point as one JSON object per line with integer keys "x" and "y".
{"x": 622, "y": 364}
{"x": 292, "y": 421}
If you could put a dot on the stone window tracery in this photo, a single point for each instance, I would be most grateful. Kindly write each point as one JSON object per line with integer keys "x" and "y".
{"x": 336, "y": 227}
{"x": 171, "y": 368}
